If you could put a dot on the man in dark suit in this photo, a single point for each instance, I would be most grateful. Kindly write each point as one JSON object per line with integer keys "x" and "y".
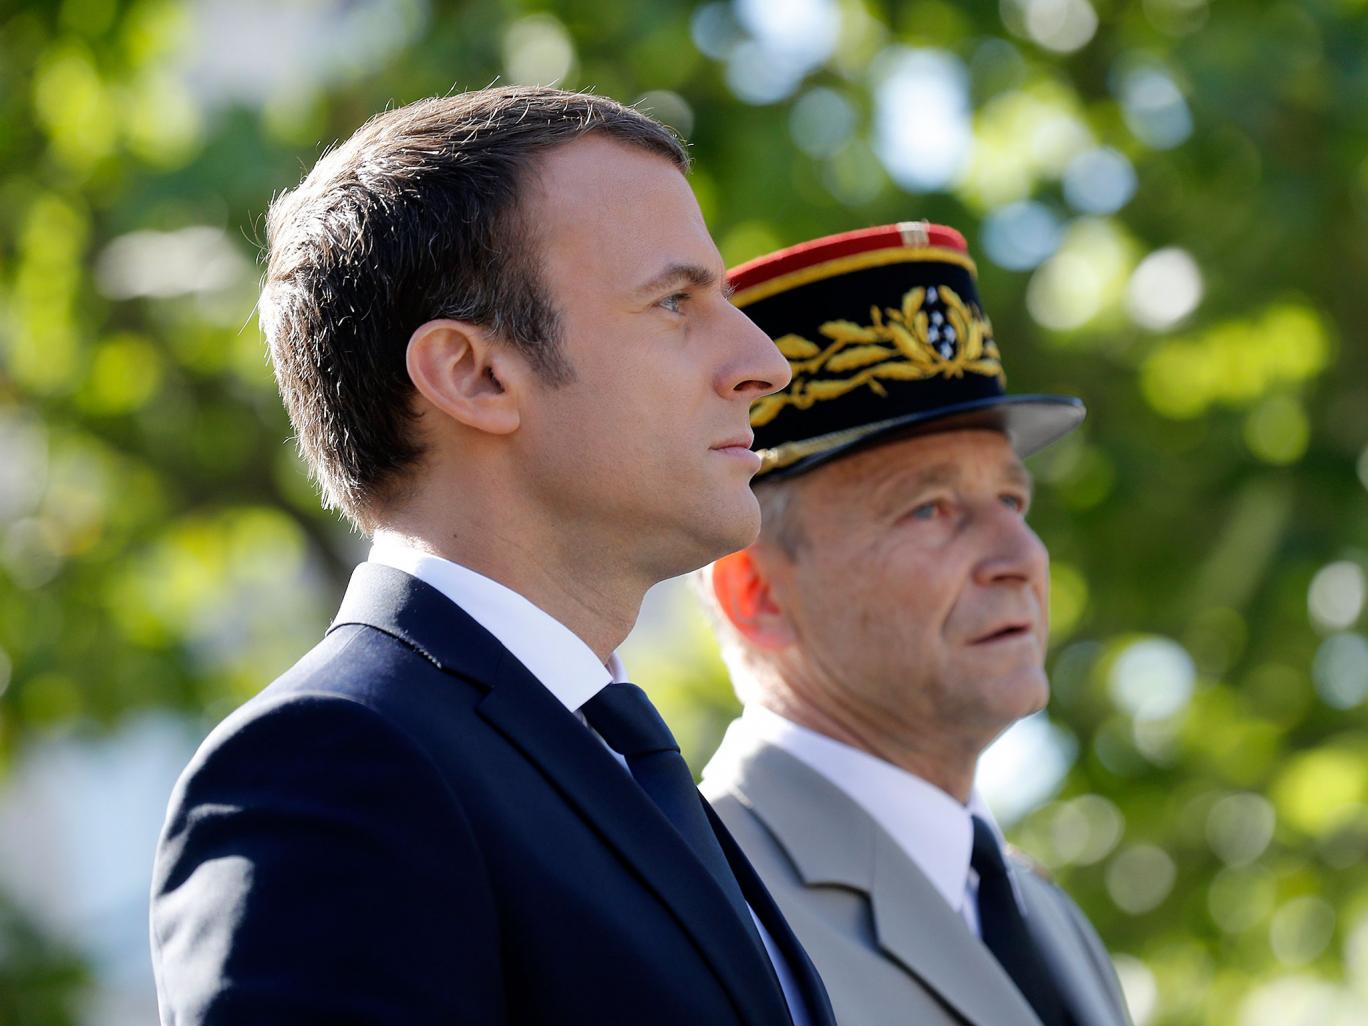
{"x": 500, "y": 328}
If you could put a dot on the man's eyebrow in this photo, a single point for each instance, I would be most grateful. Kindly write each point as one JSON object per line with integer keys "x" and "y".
{"x": 939, "y": 474}
{"x": 894, "y": 487}
{"x": 1017, "y": 474}
{"x": 694, "y": 275}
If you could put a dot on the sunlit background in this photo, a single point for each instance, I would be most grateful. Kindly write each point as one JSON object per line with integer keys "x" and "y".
{"x": 1168, "y": 200}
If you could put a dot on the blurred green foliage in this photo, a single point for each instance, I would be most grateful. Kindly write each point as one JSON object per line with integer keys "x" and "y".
{"x": 160, "y": 545}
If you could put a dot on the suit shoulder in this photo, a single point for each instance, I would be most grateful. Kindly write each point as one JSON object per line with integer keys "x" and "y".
{"x": 1031, "y": 865}
{"x": 357, "y": 694}
{"x": 357, "y": 673}
{"x": 355, "y": 660}
{"x": 276, "y": 737}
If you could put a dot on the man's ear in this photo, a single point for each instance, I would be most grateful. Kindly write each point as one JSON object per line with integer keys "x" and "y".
{"x": 469, "y": 376}
{"x": 745, "y": 594}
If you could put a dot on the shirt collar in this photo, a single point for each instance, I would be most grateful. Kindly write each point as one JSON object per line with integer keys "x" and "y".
{"x": 931, "y": 828}
{"x": 554, "y": 654}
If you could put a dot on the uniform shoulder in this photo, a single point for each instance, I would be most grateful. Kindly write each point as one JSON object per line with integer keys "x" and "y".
{"x": 1033, "y": 866}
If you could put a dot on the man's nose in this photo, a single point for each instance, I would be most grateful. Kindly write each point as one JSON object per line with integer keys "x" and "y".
{"x": 1013, "y": 551}
{"x": 757, "y": 367}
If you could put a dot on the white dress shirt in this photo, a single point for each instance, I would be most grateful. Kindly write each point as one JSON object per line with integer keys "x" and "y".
{"x": 555, "y": 655}
{"x": 931, "y": 827}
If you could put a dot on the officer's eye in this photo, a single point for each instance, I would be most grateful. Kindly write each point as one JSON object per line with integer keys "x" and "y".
{"x": 675, "y": 303}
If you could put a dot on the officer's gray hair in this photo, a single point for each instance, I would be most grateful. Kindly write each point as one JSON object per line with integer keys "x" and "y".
{"x": 781, "y": 528}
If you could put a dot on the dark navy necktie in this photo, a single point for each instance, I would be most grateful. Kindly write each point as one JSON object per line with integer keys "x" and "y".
{"x": 1004, "y": 930}
{"x": 625, "y": 718}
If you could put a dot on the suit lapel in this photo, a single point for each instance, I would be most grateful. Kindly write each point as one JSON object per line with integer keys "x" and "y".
{"x": 833, "y": 841}
{"x": 1067, "y": 955}
{"x": 577, "y": 765}
{"x": 805, "y": 975}
{"x": 931, "y": 940}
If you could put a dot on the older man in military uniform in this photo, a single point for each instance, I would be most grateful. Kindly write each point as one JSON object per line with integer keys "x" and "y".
{"x": 887, "y": 626}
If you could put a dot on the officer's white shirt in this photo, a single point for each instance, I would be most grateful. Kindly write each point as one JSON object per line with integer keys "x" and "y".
{"x": 555, "y": 655}
{"x": 931, "y": 827}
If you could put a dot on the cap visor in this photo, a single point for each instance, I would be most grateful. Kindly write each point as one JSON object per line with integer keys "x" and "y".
{"x": 1030, "y": 422}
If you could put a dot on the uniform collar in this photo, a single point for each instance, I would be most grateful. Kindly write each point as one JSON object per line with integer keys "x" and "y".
{"x": 929, "y": 826}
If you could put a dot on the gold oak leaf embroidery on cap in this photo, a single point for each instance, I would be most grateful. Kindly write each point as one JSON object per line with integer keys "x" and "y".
{"x": 933, "y": 334}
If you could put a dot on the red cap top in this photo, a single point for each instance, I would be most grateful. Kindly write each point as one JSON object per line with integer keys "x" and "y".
{"x": 904, "y": 235}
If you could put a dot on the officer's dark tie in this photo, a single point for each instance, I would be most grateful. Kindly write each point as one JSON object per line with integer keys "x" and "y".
{"x": 625, "y": 718}
{"x": 1004, "y": 930}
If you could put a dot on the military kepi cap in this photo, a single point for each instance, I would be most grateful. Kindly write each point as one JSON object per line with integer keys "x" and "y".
{"x": 885, "y": 335}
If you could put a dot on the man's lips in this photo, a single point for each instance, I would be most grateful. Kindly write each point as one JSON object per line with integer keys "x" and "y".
{"x": 738, "y": 448}
{"x": 1004, "y": 632}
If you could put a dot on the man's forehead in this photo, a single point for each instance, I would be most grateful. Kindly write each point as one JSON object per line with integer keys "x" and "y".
{"x": 948, "y": 457}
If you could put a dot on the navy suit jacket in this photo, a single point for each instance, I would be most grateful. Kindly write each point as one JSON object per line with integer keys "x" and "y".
{"x": 408, "y": 828}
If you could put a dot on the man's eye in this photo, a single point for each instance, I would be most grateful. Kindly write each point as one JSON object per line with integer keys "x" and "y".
{"x": 1015, "y": 502}
{"x": 926, "y": 511}
{"x": 675, "y": 303}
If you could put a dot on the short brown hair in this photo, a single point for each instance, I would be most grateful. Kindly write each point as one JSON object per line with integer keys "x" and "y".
{"x": 414, "y": 218}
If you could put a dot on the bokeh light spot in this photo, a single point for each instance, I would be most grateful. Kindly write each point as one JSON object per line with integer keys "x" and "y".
{"x": 803, "y": 32}
{"x": 125, "y": 371}
{"x": 1335, "y": 598}
{"x": 537, "y": 50}
{"x": 1099, "y": 181}
{"x": 194, "y": 260}
{"x": 1085, "y": 830}
{"x": 1301, "y": 930}
{"x": 1164, "y": 289}
{"x": 1062, "y": 26}
{"x": 1320, "y": 790}
{"x": 1152, "y": 678}
{"x": 1025, "y": 766}
{"x": 1340, "y": 670}
{"x": 1240, "y": 899}
{"x": 1277, "y": 431}
{"x": 1239, "y": 827}
{"x": 1081, "y": 279}
{"x": 715, "y": 30}
{"x": 758, "y": 76}
{"x": 23, "y": 463}
{"x": 1020, "y": 235}
{"x": 669, "y": 108}
{"x": 1301, "y": 1000}
{"x": 1139, "y": 986}
{"x": 921, "y": 122}
{"x": 1068, "y": 599}
{"x": 1154, "y": 108}
{"x": 1236, "y": 363}
{"x": 1140, "y": 877}
{"x": 821, "y": 122}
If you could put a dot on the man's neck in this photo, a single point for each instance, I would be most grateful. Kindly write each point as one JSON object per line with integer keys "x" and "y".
{"x": 942, "y": 765}
{"x": 598, "y": 604}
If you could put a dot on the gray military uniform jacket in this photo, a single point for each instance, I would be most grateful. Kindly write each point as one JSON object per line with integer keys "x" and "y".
{"x": 889, "y": 948}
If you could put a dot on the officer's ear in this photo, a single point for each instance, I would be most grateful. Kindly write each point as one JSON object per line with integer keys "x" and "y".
{"x": 470, "y": 376}
{"x": 743, "y": 588}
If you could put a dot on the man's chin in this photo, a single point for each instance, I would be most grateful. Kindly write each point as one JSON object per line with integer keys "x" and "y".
{"x": 1035, "y": 693}
{"x": 1021, "y": 695}
{"x": 729, "y": 525}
